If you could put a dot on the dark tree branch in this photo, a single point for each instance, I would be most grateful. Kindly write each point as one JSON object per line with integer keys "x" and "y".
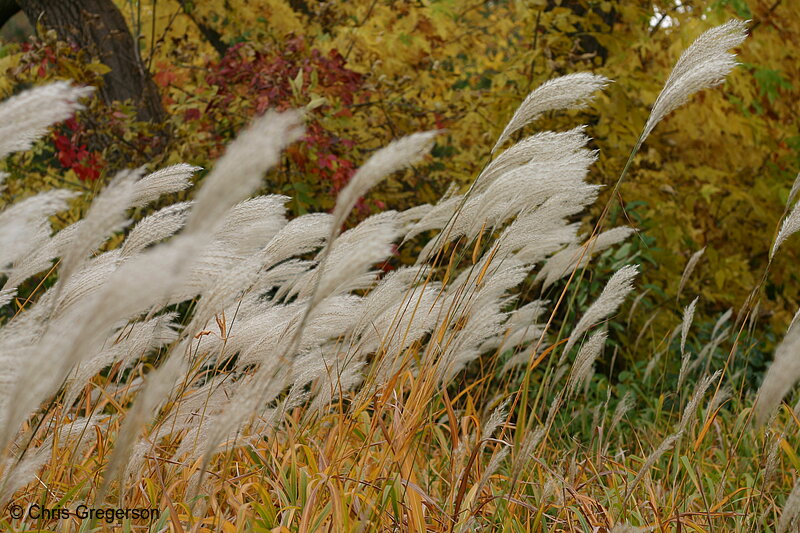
{"x": 211, "y": 35}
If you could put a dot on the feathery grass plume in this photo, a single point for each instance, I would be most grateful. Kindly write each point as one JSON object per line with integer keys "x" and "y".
{"x": 240, "y": 170}
{"x": 494, "y": 463}
{"x": 301, "y": 235}
{"x": 138, "y": 284}
{"x": 25, "y": 118}
{"x": 397, "y": 155}
{"x": 720, "y": 396}
{"x": 614, "y": 293}
{"x": 707, "y": 353}
{"x": 721, "y": 321}
{"x": 682, "y": 373}
{"x": 106, "y": 215}
{"x": 573, "y": 91}
{"x": 794, "y": 191}
{"x": 406, "y": 321}
{"x": 529, "y": 186}
{"x": 353, "y": 253}
{"x": 6, "y": 295}
{"x": 41, "y": 258}
{"x": 164, "y": 181}
{"x": 564, "y": 262}
{"x": 250, "y": 225}
{"x": 693, "y": 260}
{"x": 483, "y": 322}
{"x": 393, "y": 289}
{"x": 153, "y": 228}
{"x": 703, "y": 65}
{"x": 791, "y": 509}
{"x": 18, "y": 473}
{"x": 224, "y": 288}
{"x": 497, "y": 417}
{"x": 25, "y": 226}
{"x": 781, "y": 376}
{"x": 699, "y": 390}
{"x": 790, "y": 225}
{"x": 412, "y": 215}
{"x": 252, "y": 396}
{"x": 665, "y": 445}
{"x": 686, "y": 323}
{"x": 520, "y": 328}
{"x": 773, "y": 458}
{"x": 545, "y": 146}
{"x": 635, "y": 305}
{"x": 435, "y": 218}
{"x": 585, "y": 359}
{"x": 530, "y": 441}
{"x": 623, "y": 406}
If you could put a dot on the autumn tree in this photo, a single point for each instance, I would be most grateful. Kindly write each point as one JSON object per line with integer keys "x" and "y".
{"x": 98, "y": 27}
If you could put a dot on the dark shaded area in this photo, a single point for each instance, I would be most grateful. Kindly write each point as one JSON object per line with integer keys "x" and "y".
{"x": 587, "y": 43}
{"x": 211, "y": 35}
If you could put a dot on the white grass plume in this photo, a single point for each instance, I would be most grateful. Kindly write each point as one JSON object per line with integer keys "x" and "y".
{"x": 614, "y": 293}
{"x": 25, "y": 225}
{"x": 167, "y": 180}
{"x": 585, "y": 360}
{"x": 162, "y": 224}
{"x": 795, "y": 189}
{"x": 25, "y": 118}
{"x": 106, "y": 215}
{"x": 239, "y": 171}
{"x": 542, "y": 147}
{"x": 686, "y": 323}
{"x": 721, "y": 321}
{"x": 397, "y": 155}
{"x": 687, "y": 271}
{"x": 783, "y": 373}
{"x": 497, "y": 417}
{"x": 623, "y": 406}
{"x": 791, "y": 510}
{"x": 134, "y": 341}
{"x": 572, "y": 91}
{"x": 794, "y": 320}
{"x": 790, "y": 226}
{"x": 704, "y": 64}
{"x": 699, "y": 390}
{"x": 6, "y": 295}
{"x": 564, "y": 262}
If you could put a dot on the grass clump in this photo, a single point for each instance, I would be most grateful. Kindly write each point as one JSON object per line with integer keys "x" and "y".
{"x": 240, "y": 371}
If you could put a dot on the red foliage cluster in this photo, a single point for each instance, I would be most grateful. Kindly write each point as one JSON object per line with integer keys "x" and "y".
{"x": 264, "y": 72}
{"x": 252, "y": 78}
{"x": 72, "y": 153}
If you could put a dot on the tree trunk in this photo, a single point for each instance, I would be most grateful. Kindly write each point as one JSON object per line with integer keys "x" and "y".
{"x": 98, "y": 27}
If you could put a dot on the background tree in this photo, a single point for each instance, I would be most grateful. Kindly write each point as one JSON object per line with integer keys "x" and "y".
{"x": 98, "y": 27}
